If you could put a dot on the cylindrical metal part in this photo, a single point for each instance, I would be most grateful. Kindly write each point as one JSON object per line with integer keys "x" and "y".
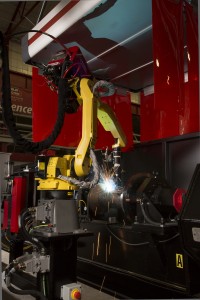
{"x": 117, "y": 164}
{"x": 117, "y": 157}
{"x": 111, "y": 207}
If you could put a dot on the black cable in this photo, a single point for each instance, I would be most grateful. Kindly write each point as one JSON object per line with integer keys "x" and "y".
{"x": 124, "y": 242}
{"x": 10, "y": 269}
{"x": 169, "y": 239}
{"x": 8, "y": 113}
{"x": 42, "y": 32}
{"x": 147, "y": 218}
{"x": 150, "y": 221}
{"x": 33, "y": 293}
{"x": 26, "y": 234}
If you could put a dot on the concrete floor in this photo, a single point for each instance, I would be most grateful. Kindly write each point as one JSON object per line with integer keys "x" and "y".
{"x": 87, "y": 292}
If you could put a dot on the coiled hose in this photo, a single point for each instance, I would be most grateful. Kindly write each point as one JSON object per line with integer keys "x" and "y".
{"x": 10, "y": 270}
{"x": 8, "y": 113}
{"x": 85, "y": 184}
{"x": 26, "y": 234}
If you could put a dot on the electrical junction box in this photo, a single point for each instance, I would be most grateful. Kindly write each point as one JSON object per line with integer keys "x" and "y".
{"x": 71, "y": 291}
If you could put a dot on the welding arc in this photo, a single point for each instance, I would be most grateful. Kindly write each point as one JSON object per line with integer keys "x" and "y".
{"x": 8, "y": 113}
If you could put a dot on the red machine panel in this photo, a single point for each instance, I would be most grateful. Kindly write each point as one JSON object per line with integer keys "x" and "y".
{"x": 148, "y": 129}
{"x": 45, "y": 111}
{"x": 173, "y": 109}
{"x": 168, "y": 66}
{"x": 191, "y": 123}
{"x": 18, "y": 201}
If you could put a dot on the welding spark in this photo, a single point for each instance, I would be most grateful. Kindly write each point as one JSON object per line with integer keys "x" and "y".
{"x": 98, "y": 242}
{"x": 107, "y": 183}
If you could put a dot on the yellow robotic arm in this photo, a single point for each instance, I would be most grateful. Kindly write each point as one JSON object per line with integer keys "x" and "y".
{"x": 93, "y": 109}
{"x": 110, "y": 123}
{"x": 89, "y": 127}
